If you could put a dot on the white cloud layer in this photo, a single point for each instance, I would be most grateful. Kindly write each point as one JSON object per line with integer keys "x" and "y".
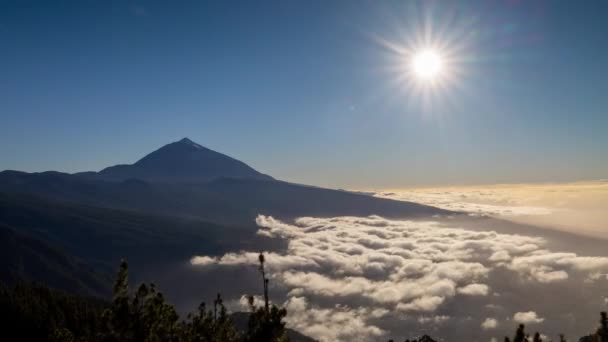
{"x": 489, "y": 323}
{"x": 476, "y": 202}
{"x": 474, "y": 290}
{"x": 578, "y": 207}
{"x": 406, "y": 268}
{"x": 527, "y": 317}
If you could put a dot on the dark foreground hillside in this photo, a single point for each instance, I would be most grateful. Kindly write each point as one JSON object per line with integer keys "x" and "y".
{"x": 38, "y": 313}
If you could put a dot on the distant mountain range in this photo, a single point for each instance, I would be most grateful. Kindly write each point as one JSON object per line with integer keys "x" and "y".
{"x": 70, "y": 230}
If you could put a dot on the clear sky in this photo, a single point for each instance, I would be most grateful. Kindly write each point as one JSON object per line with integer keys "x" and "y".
{"x": 310, "y": 91}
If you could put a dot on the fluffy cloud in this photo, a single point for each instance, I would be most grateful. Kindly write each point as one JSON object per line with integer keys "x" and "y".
{"x": 274, "y": 262}
{"x": 339, "y": 323}
{"x": 203, "y": 260}
{"x": 426, "y": 303}
{"x": 489, "y": 323}
{"x": 527, "y": 317}
{"x": 474, "y": 290}
{"x": 547, "y": 267}
{"x": 408, "y": 268}
{"x": 258, "y": 301}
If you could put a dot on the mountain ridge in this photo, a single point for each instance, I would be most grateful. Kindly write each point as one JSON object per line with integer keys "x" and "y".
{"x": 181, "y": 161}
{"x": 185, "y": 179}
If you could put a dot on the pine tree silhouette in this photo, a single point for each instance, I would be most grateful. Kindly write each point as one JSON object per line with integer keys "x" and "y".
{"x": 265, "y": 323}
{"x": 264, "y": 280}
{"x": 520, "y": 335}
{"x": 602, "y": 331}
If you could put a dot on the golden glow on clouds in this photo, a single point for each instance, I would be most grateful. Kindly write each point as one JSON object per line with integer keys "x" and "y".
{"x": 578, "y": 207}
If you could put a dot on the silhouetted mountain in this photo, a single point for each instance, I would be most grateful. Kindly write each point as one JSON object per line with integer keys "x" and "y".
{"x": 181, "y": 161}
{"x": 186, "y": 179}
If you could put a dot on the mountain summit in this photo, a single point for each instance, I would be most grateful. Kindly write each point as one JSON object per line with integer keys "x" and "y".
{"x": 181, "y": 161}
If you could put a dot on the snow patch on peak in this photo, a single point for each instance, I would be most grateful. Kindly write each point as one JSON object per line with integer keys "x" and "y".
{"x": 189, "y": 142}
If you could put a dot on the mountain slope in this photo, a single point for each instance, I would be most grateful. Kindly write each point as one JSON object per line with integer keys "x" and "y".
{"x": 181, "y": 161}
{"x": 288, "y": 200}
{"x": 224, "y": 200}
{"x": 104, "y": 236}
{"x": 24, "y": 257}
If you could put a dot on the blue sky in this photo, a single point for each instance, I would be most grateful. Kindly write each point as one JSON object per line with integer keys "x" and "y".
{"x": 306, "y": 90}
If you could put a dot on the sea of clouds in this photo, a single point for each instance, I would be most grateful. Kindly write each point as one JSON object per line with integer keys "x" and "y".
{"x": 578, "y": 207}
{"x": 371, "y": 278}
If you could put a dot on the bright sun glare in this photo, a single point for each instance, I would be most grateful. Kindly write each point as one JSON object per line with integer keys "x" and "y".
{"x": 427, "y": 65}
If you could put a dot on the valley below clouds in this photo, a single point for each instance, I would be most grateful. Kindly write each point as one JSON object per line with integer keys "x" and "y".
{"x": 371, "y": 278}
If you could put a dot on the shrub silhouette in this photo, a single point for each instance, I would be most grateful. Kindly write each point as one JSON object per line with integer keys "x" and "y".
{"x": 601, "y": 334}
{"x": 206, "y": 325}
{"x": 145, "y": 317}
{"x": 37, "y": 313}
{"x": 602, "y": 331}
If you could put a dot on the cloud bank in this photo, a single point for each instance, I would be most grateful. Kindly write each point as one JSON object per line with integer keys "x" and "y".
{"x": 578, "y": 207}
{"x": 362, "y": 272}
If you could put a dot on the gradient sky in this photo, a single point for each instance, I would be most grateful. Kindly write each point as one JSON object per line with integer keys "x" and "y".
{"x": 306, "y": 90}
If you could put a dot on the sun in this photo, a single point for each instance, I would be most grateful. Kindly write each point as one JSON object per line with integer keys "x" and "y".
{"x": 427, "y": 65}
{"x": 428, "y": 61}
